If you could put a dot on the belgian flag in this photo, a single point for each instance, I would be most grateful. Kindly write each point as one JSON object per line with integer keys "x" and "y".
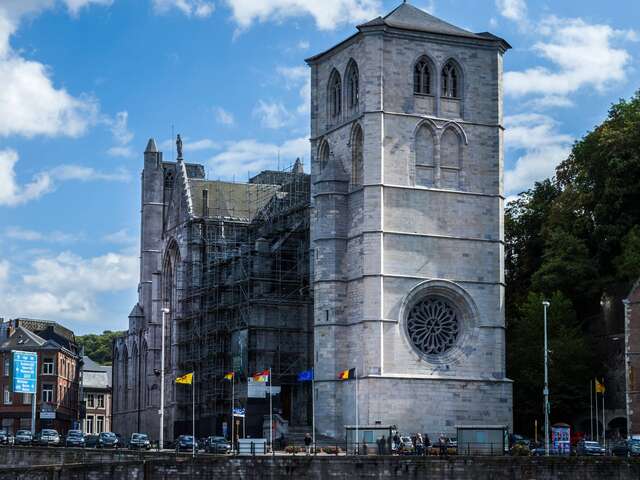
{"x": 347, "y": 374}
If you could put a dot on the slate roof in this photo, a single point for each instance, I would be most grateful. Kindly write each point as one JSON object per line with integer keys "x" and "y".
{"x": 95, "y": 375}
{"x": 22, "y": 338}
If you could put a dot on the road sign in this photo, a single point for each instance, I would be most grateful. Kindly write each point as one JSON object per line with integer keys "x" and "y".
{"x": 25, "y": 371}
{"x": 47, "y": 415}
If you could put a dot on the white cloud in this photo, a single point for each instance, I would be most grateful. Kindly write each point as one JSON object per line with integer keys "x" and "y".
{"x": 74, "y": 6}
{"x": 121, "y": 135}
{"x": 223, "y": 117}
{"x": 541, "y": 149}
{"x": 24, "y": 234}
{"x": 272, "y": 114}
{"x": 250, "y": 155}
{"x": 328, "y": 14}
{"x": 66, "y": 286}
{"x": 515, "y": 10}
{"x": 12, "y": 193}
{"x": 303, "y": 45}
{"x": 582, "y": 55}
{"x": 121, "y": 237}
{"x": 191, "y": 146}
{"x": 195, "y": 8}
{"x": 298, "y": 77}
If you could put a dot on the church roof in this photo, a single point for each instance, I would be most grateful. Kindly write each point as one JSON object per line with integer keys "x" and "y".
{"x": 410, "y": 18}
{"x": 136, "y": 311}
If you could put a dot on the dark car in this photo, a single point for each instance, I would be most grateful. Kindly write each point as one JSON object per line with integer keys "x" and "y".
{"x": 139, "y": 441}
{"x": 108, "y": 440}
{"x": 75, "y": 438}
{"x": 586, "y": 447}
{"x": 627, "y": 448}
{"x": 91, "y": 441}
{"x": 217, "y": 445}
{"x": 47, "y": 438}
{"x": 185, "y": 443}
{"x": 23, "y": 437}
{"x": 4, "y": 437}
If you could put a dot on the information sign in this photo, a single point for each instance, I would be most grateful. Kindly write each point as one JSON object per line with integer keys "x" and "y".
{"x": 25, "y": 370}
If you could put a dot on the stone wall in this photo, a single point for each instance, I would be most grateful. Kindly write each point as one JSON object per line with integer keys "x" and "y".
{"x": 320, "y": 468}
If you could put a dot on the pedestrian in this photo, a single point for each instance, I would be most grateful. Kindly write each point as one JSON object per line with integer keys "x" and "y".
{"x": 307, "y": 443}
{"x": 442, "y": 442}
{"x": 390, "y": 444}
{"x": 419, "y": 444}
{"x": 396, "y": 441}
{"x": 383, "y": 445}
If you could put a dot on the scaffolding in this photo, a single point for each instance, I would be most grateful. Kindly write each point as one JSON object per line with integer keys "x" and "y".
{"x": 245, "y": 280}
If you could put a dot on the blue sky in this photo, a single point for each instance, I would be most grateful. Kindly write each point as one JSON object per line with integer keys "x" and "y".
{"x": 85, "y": 83}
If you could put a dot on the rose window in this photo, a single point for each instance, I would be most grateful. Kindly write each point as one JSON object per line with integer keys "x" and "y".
{"x": 433, "y": 326}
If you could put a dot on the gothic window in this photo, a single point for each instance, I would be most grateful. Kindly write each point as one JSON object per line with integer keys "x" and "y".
{"x": 353, "y": 86}
{"x": 433, "y": 325}
{"x": 450, "y": 159}
{"x": 335, "y": 96}
{"x": 125, "y": 379}
{"x": 422, "y": 77}
{"x": 323, "y": 155}
{"x": 168, "y": 180}
{"x": 425, "y": 157}
{"x": 357, "y": 157}
{"x": 450, "y": 80}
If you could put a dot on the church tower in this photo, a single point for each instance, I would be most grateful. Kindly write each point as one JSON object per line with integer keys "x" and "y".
{"x": 407, "y": 226}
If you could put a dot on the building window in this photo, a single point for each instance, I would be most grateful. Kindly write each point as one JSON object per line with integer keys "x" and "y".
{"x": 99, "y": 424}
{"x": 205, "y": 203}
{"x": 7, "y": 366}
{"x": 47, "y": 366}
{"x": 100, "y": 401}
{"x": 353, "y": 86}
{"x": 7, "y": 396}
{"x": 335, "y": 95}
{"x": 89, "y": 428}
{"x": 450, "y": 81}
{"x": 26, "y": 398}
{"x": 47, "y": 393}
{"x": 357, "y": 159}
{"x": 91, "y": 401}
{"x": 422, "y": 77}
{"x": 323, "y": 154}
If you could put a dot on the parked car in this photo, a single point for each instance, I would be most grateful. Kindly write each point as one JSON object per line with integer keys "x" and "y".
{"x": 217, "y": 445}
{"x": 4, "y": 437}
{"x": 23, "y": 437}
{"x": 185, "y": 443}
{"x": 406, "y": 445}
{"x": 75, "y": 438}
{"x": 627, "y": 448}
{"x": 91, "y": 441}
{"x": 47, "y": 438}
{"x": 108, "y": 440}
{"x": 139, "y": 441}
{"x": 587, "y": 447}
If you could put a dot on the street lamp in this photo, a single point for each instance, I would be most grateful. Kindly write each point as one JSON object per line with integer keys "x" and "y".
{"x": 545, "y": 391}
{"x": 165, "y": 312}
{"x": 627, "y": 367}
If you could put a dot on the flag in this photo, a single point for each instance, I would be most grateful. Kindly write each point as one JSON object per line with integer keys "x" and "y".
{"x": 186, "y": 379}
{"x": 229, "y": 376}
{"x": 599, "y": 386}
{"x": 347, "y": 374}
{"x": 239, "y": 412}
{"x": 305, "y": 376}
{"x": 261, "y": 376}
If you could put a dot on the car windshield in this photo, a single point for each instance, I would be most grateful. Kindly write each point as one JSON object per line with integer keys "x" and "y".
{"x": 218, "y": 439}
{"x": 23, "y": 432}
{"x": 138, "y": 436}
{"x": 49, "y": 432}
{"x": 187, "y": 438}
{"x": 108, "y": 435}
{"x": 74, "y": 433}
{"x": 591, "y": 444}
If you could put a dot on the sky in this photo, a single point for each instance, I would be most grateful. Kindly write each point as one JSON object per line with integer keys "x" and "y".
{"x": 85, "y": 83}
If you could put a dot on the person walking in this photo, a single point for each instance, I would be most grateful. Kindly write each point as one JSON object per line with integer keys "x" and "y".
{"x": 442, "y": 443}
{"x": 396, "y": 441}
{"x": 419, "y": 445}
{"x": 307, "y": 443}
{"x": 383, "y": 445}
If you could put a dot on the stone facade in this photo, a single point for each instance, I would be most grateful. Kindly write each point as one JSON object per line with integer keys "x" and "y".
{"x": 632, "y": 359}
{"x": 425, "y": 225}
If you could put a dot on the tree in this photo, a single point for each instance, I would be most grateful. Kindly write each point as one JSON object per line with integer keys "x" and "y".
{"x": 98, "y": 347}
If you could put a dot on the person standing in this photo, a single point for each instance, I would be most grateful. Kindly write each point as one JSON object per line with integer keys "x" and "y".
{"x": 442, "y": 442}
{"x": 307, "y": 443}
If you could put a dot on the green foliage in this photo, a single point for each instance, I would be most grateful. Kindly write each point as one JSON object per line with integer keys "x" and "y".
{"x": 576, "y": 236}
{"x": 98, "y": 347}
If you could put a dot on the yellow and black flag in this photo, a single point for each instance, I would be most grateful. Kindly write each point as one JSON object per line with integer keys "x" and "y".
{"x": 186, "y": 379}
{"x": 229, "y": 376}
{"x": 347, "y": 374}
{"x": 599, "y": 386}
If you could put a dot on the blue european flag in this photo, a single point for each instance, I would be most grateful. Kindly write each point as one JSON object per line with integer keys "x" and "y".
{"x": 305, "y": 376}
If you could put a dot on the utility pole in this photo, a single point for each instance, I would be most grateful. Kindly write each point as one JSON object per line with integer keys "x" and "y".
{"x": 165, "y": 312}
{"x": 545, "y": 391}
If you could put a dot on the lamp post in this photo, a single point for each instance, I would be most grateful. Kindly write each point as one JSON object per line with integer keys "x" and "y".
{"x": 165, "y": 312}
{"x": 627, "y": 367}
{"x": 545, "y": 391}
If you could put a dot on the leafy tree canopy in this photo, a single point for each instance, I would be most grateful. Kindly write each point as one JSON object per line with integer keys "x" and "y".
{"x": 98, "y": 347}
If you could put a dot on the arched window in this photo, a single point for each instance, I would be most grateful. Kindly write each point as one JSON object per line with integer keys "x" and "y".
{"x": 353, "y": 85}
{"x": 422, "y": 77}
{"x": 323, "y": 155}
{"x": 335, "y": 95}
{"x": 450, "y": 159}
{"x": 425, "y": 157}
{"x": 357, "y": 157}
{"x": 125, "y": 379}
{"x": 450, "y": 80}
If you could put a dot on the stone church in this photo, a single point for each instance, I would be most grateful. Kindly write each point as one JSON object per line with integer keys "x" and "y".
{"x": 387, "y": 258}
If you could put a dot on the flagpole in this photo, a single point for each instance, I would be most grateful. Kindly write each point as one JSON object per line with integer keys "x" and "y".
{"x": 604, "y": 425}
{"x": 271, "y": 413}
{"x": 591, "y": 410}
{"x": 357, "y": 425}
{"x": 193, "y": 412}
{"x": 313, "y": 408}
{"x": 233, "y": 418}
{"x": 595, "y": 393}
